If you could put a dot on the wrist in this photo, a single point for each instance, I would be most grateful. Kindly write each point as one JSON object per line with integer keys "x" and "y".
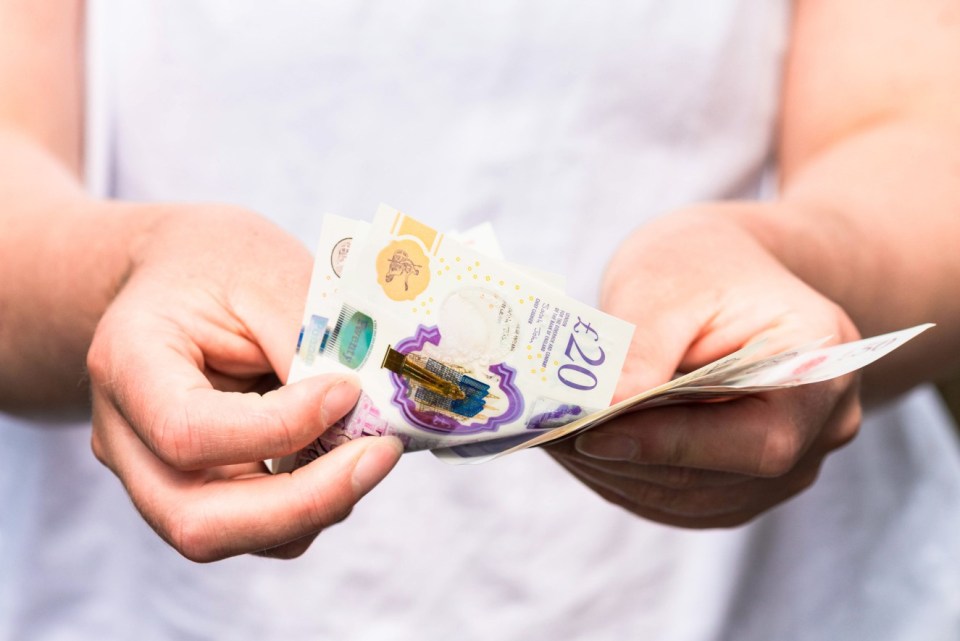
{"x": 71, "y": 255}
{"x": 814, "y": 242}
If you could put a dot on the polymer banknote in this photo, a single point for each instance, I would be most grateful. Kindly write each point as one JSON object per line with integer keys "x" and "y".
{"x": 739, "y": 374}
{"x": 452, "y": 344}
{"x": 469, "y": 356}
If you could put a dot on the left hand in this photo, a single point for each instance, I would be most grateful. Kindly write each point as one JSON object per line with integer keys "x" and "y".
{"x": 698, "y": 286}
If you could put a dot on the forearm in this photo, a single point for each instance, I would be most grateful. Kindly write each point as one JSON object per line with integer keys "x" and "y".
{"x": 63, "y": 255}
{"x": 41, "y": 76}
{"x": 869, "y": 153}
{"x": 873, "y": 223}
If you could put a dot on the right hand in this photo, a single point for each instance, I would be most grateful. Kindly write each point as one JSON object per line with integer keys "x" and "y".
{"x": 699, "y": 285}
{"x": 184, "y": 371}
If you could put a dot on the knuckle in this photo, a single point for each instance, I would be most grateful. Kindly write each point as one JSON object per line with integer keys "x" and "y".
{"x": 660, "y": 498}
{"x": 696, "y": 504}
{"x": 682, "y": 478}
{"x": 781, "y": 450}
{"x": 193, "y": 539}
{"x": 847, "y": 428}
{"x": 171, "y": 437}
{"x": 97, "y": 360}
{"x": 806, "y": 480}
{"x": 318, "y": 510}
{"x": 285, "y": 432}
{"x": 288, "y": 551}
{"x": 620, "y": 501}
{"x": 677, "y": 452}
{"x": 341, "y": 516}
{"x": 97, "y": 446}
{"x": 666, "y": 447}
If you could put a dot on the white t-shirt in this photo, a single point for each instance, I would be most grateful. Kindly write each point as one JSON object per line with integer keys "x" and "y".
{"x": 566, "y": 124}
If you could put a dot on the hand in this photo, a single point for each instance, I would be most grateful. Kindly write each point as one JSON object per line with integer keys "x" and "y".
{"x": 698, "y": 286}
{"x": 186, "y": 402}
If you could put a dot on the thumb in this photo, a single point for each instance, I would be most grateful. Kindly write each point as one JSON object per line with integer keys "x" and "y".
{"x": 663, "y": 334}
{"x": 272, "y": 306}
{"x": 190, "y": 425}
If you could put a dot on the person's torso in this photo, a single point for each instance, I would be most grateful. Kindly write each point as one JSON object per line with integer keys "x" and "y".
{"x": 566, "y": 124}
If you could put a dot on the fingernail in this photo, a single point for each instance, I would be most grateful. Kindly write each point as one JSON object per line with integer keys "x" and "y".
{"x": 607, "y": 447}
{"x": 374, "y": 464}
{"x": 338, "y": 400}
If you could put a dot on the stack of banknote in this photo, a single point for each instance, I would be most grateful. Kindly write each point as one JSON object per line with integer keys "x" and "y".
{"x": 465, "y": 354}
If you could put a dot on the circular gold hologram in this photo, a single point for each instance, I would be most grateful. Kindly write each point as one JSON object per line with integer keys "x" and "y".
{"x": 403, "y": 270}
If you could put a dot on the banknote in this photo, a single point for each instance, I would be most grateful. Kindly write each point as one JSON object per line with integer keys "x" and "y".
{"x": 465, "y": 354}
{"x": 799, "y": 366}
{"x": 451, "y": 344}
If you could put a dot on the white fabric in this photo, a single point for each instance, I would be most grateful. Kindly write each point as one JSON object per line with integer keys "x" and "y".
{"x": 566, "y": 124}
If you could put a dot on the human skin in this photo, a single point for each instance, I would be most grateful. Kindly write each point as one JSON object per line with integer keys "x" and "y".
{"x": 861, "y": 240}
{"x": 171, "y": 323}
{"x": 181, "y": 421}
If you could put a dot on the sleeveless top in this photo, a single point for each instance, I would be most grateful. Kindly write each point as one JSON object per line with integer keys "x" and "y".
{"x": 566, "y": 124}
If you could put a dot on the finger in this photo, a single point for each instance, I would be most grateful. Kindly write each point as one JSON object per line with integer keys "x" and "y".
{"x": 649, "y": 362}
{"x": 208, "y": 518}
{"x": 669, "y": 313}
{"x": 223, "y": 382}
{"x": 844, "y": 422}
{"x": 699, "y": 507}
{"x": 689, "y": 502}
{"x": 162, "y": 393}
{"x": 226, "y": 518}
{"x": 759, "y": 435}
{"x": 658, "y": 516}
{"x": 668, "y": 476}
{"x": 732, "y": 519}
{"x": 270, "y": 511}
{"x": 291, "y": 550}
{"x": 272, "y": 310}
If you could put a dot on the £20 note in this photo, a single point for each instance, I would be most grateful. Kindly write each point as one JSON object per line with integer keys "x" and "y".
{"x": 452, "y": 346}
